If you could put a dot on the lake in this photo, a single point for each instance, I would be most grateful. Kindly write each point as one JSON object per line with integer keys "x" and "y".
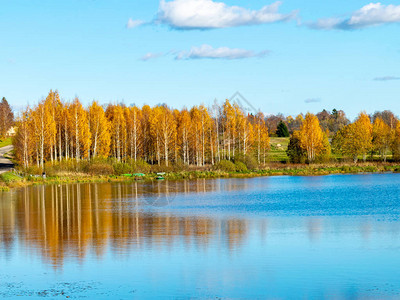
{"x": 331, "y": 237}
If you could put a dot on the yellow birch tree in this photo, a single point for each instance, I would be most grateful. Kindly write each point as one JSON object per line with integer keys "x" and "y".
{"x": 311, "y": 137}
{"x": 381, "y": 137}
{"x": 100, "y": 131}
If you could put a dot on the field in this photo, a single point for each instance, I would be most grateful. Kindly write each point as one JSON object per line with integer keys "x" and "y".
{"x": 277, "y": 152}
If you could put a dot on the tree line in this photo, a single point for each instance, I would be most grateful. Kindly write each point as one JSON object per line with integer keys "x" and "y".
{"x": 55, "y": 130}
{"x": 329, "y": 121}
{"x": 360, "y": 139}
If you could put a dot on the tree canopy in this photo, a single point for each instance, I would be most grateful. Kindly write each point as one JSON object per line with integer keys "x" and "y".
{"x": 55, "y": 130}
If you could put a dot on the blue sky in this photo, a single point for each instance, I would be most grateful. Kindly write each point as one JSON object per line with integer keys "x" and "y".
{"x": 288, "y": 57}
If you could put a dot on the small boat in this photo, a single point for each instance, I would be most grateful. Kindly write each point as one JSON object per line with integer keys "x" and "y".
{"x": 138, "y": 175}
{"x": 160, "y": 176}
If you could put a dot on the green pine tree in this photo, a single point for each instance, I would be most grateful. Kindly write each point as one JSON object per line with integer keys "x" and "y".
{"x": 282, "y": 130}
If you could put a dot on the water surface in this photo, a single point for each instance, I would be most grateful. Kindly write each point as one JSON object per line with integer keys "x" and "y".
{"x": 334, "y": 237}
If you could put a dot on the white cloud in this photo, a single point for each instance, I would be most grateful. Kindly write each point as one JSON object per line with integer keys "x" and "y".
{"x": 386, "y": 78}
{"x": 151, "y": 55}
{"x": 312, "y": 100}
{"x": 326, "y": 24}
{"x": 207, "y": 51}
{"x": 372, "y": 14}
{"x": 209, "y": 14}
{"x": 134, "y": 23}
{"x": 375, "y": 14}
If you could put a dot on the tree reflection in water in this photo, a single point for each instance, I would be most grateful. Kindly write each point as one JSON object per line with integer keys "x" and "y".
{"x": 70, "y": 221}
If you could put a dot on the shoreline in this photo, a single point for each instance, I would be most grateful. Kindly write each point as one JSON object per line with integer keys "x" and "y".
{"x": 11, "y": 180}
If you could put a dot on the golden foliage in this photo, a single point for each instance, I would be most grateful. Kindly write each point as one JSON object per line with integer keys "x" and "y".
{"x": 99, "y": 127}
{"x": 56, "y": 130}
{"x": 381, "y": 137}
{"x": 311, "y": 137}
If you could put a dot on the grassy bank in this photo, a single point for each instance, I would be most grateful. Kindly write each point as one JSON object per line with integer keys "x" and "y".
{"x": 108, "y": 170}
{"x": 12, "y": 180}
{"x": 5, "y": 142}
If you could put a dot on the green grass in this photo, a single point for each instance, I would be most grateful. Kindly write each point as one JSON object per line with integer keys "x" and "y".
{"x": 278, "y": 149}
{"x": 12, "y": 180}
{"x": 5, "y": 142}
{"x": 10, "y": 177}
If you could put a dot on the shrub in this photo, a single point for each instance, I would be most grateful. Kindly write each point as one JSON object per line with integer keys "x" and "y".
{"x": 122, "y": 168}
{"x": 162, "y": 168}
{"x": 34, "y": 170}
{"x": 294, "y": 151}
{"x": 371, "y": 169}
{"x": 249, "y": 160}
{"x": 100, "y": 168}
{"x": 65, "y": 166}
{"x": 141, "y": 166}
{"x": 240, "y": 167}
{"x": 180, "y": 166}
{"x": 225, "y": 165}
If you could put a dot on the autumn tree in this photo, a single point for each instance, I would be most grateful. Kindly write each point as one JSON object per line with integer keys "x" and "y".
{"x": 116, "y": 117}
{"x": 387, "y": 116}
{"x": 311, "y": 137}
{"x": 54, "y": 106}
{"x": 155, "y": 132}
{"x": 6, "y": 117}
{"x": 354, "y": 139}
{"x": 337, "y": 120}
{"x": 65, "y": 130}
{"x": 58, "y": 109}
{"x": 147, "y": 148}
{"x": 184, "y": 124}
{"x": 324, "y": 118}
{"x": 54, "y": 130}
{"x": 261, "y": 137}
{"x": 22, "y": 140}
{"x": 195, "y": 133}
{"x": 133, "y": 116}
{"x": 264, "y": 143}
{"x": 201, "y": 122}
{"x": 167, "y": 127}
{"x": 44, "y": 130}
{"x": 163, "y": 129}
{"x": 326, "y": 150}
{"x": 229, "y": 129}
{"x": 246, "y": 134}
{"x": 364, "y": 131}
{"x": 206, "y": 123}
{"x": 272, "y": 122}
{"x": 216, "y": 128}
{"x": 99, "y": 127}
{"x": 395, "y": 144}
{"x": 80, "y": 133}
{"x": 294, "y": 124}
{"x": 381, "y": 137}
{"x": 346, "y": 142}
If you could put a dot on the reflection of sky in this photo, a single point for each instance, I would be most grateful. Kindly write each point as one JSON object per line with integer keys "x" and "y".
{"x": 208, "y": 241}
